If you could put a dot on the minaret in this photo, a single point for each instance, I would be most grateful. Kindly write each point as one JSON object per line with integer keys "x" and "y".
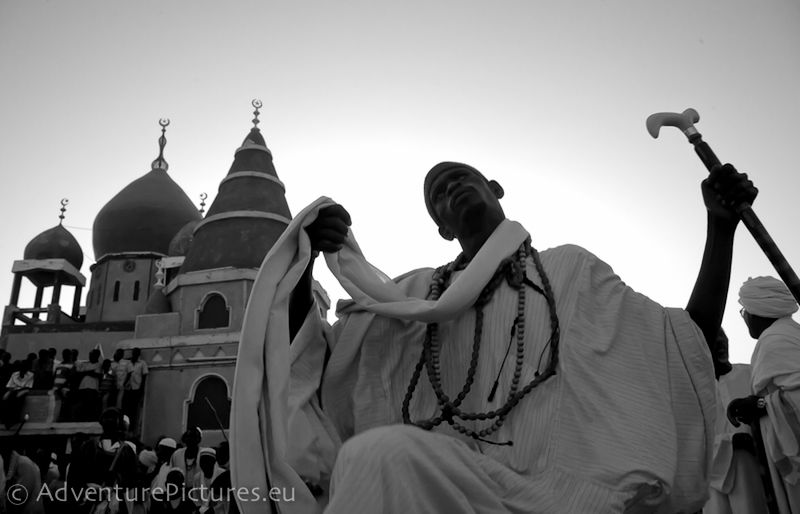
{"x": 248, "y": 215}
{"x": 245, "y": 219}
{"x": 52, "y": 259}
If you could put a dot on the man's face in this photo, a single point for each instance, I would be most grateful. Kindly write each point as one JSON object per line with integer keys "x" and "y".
{"x": 460, "y": 197}
{"x": 207, "y": 464}
{"x": 164, "y": 452}
{"x": 191, "y": 438}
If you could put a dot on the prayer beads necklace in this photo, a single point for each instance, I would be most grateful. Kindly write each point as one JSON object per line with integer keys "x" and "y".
{"x": 513, "y": 270}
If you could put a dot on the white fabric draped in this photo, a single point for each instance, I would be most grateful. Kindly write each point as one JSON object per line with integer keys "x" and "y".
{"x": 776, "y": 377}
{"x": 626, "y": 423}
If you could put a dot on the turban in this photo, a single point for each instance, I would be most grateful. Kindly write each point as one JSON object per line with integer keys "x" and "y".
{"x": 435, "y": 172}
{"x": 767, "y": 297}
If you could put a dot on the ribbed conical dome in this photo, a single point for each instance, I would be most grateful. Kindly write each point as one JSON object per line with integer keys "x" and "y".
{"x": 55, "y": 243}
{"x": 143, "y": 217}
{"x": 247, "y": 216}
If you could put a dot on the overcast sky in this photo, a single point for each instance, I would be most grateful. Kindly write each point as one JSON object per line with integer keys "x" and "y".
{"x": 362, "y": 98}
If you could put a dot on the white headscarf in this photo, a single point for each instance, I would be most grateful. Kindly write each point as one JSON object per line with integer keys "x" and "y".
{"x": 767, "y": 297}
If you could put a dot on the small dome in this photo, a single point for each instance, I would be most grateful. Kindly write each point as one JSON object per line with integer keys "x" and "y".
{"x": 180, "y": 244}
{"x": 143, "y": 217}
{"x": 55, "y": 243}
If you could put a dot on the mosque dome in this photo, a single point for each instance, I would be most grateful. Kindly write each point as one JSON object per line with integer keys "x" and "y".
{"x": 145, "y": 215}
{"x": 182, "y": 241}
{"x": 55, "y": 243}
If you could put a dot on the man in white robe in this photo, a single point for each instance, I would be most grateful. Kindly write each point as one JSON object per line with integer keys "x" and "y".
{"x": 767, "y": 308}
{"x": 625, "y": 424}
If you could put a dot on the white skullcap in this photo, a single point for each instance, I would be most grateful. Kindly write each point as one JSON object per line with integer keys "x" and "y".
{"x": 168, "y": 442}
{"x": 206, "y": 451}
{"x": 767, "y": 297}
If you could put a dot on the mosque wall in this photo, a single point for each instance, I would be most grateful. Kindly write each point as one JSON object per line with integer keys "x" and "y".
{"x": 211, "y": 301}
{"x": 169, "y": 392}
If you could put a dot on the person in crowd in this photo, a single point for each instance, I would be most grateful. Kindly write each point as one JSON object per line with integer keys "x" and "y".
{"x": 222, "y": 492}
{"x": 87, "y": 400}
{"x": 773, "y": 405}
{"x": 120, "y": 367}
{"x": 20, "y": 481}
{"x": 106, "y": 387}
{"x": 17, "y": 388}
{"x": 185, "y": 458}
{"x": 43, "y": 371}
{"x": 174, "y": 499}
{"x": 165, "y": 447}
{"x": 62, "y": 380}
{"x": 91, "y": 464}
{"x": 134, "y": 387}
{"x": 209, "y": 471}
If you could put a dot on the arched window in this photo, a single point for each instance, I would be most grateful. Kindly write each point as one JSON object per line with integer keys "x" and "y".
{"x": 214, "y": 312}
{"x": 210, "y": 390}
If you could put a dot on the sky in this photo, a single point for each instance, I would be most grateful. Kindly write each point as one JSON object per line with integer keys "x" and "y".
{"x": 361, "y": 98}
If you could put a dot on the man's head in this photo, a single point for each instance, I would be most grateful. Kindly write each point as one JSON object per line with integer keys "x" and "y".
{"x": 459, "y": 198}
{"x": 111, "y": 422}
{"x": 66, "y": 355}
{"x": 165, "y": 448}
{"x": 207, "y": 457}
{"x": 118, "y": 354}
{"x": 174, "y": 483}
{"x": 94, "y": 355}
{"x": 765, "y": 300}
{"x": 135, "y": 353}
{"x": 223, "y": 454}
{"x": 192, "y": 437}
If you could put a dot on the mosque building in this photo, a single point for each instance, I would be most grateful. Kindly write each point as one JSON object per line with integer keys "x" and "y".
{"x": 166, "y": 279}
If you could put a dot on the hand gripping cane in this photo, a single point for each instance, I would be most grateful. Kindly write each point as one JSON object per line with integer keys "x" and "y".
{"x": 685, "y": 121}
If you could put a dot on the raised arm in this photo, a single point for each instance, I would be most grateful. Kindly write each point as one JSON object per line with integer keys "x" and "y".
{"x": 327, "y": 234}
{"x": 723, "y": 190}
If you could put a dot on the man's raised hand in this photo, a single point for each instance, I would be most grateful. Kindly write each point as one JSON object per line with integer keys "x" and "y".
{"x": 329, "y": 230}
{"x": 725, "y": 190}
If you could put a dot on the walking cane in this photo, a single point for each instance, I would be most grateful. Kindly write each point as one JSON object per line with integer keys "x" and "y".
{"x": 685, "y": 121}
{"x": 763, "y": 467}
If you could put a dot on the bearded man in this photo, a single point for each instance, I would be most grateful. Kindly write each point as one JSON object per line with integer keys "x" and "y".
{"x": 509, "y": 380}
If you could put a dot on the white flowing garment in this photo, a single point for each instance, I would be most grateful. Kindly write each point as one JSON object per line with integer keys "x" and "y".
{"x": 776, "y": 376}
{"x": 627, "y": 422}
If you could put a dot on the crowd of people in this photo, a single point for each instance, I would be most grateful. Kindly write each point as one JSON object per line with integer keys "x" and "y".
{"x": 113, "y": 473}
{"x": 83, "y": 387}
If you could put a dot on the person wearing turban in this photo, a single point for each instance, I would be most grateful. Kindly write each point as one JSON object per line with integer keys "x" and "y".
{"x": 767, "y": 308}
